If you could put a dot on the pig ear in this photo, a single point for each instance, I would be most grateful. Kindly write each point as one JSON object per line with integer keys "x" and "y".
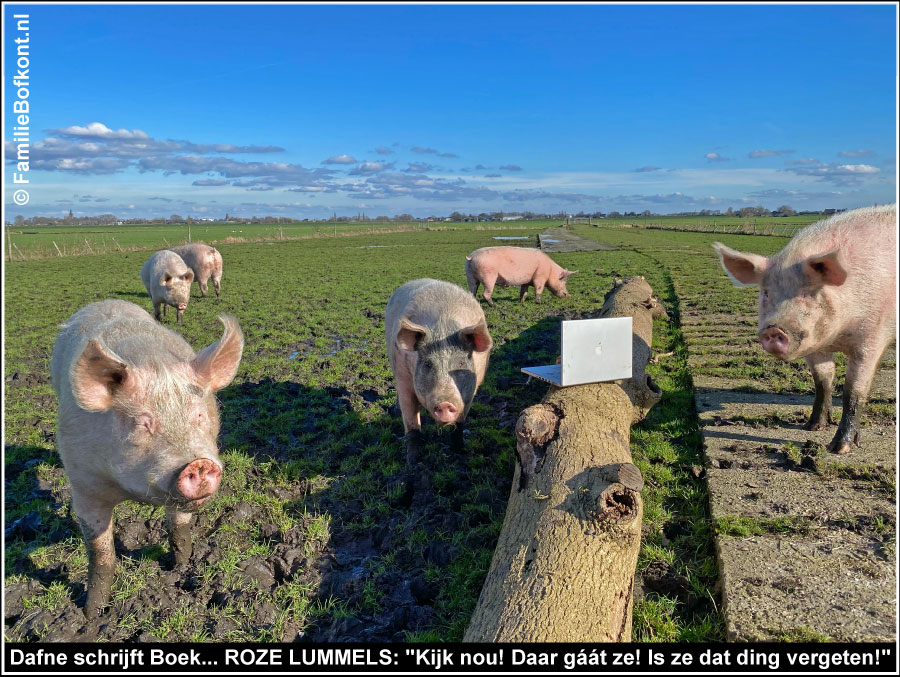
{"x": 410, "y": 335}
{"x": 827, "y": 268}
{"x": 476, "y": 337}
{"x": 188, "y": 276}
{"x": 743, "y": 269}
{"x": 566, "y": 274}
{"x": 96, "y": 376}
{"x": 217, "y": 364}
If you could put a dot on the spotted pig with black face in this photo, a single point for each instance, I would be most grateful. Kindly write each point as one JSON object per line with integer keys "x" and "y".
{"x": 438, "y": 346}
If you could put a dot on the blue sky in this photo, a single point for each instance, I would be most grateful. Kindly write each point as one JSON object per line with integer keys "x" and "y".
{"x": 303, "y": 110}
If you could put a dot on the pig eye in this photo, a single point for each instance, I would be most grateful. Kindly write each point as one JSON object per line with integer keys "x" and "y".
{"x": 765, "y": 294}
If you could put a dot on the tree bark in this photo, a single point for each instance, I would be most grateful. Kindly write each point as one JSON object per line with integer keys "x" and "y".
{"x": 563, "y": 569}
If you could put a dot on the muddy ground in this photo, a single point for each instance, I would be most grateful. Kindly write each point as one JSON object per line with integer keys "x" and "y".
{"x": 216, "y": 597}
{"x": 336, "y": 568}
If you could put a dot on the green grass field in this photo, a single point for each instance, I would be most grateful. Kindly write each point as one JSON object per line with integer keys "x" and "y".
{"x": 57, "y": 241}
{"x": 54, "y": 241}
{"x": 316, "y": 492}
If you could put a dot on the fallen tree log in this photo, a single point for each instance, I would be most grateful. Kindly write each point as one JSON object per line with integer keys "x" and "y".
{"x": 563, "y": 569}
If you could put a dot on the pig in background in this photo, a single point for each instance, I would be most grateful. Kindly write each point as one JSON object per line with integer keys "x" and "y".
{"x": 833, "y": 288}
{"x": 168, "y": 281}
{"x": 137, "y": 420}
{"x": 515, "y": 266}
{"x": 204, "y": 261}
{"x": 438, "y": 346}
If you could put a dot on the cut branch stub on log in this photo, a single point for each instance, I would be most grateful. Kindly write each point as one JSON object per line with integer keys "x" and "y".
{"x": 563, "y": 569}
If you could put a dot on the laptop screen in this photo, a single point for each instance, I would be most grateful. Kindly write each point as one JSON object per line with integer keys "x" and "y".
{"x": 592, "y": 351}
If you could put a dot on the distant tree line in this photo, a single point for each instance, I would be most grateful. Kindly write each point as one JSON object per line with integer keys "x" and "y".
{"x": 112, "y": 219}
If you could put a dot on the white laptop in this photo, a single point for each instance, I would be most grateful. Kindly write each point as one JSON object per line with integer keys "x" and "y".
{"x": 592, "y": 351}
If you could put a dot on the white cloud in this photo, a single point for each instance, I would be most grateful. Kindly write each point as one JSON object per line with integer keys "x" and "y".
{"x": 841, "y": 175}
{"x": 715, "y": 157}
{"x": 101, "y": 131}
{"x": 419, "y": 167}
{"x": 862, "y": 152}
{"x": 369, "y": 168}
{"x": 340, "y": 160}
{"x": 859, "y": 169}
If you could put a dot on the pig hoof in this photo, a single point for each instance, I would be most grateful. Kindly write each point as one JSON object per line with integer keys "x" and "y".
{"x": 815, "y": 425}
{"x": 839, "y": 446}
{"x": 415, "y": 446}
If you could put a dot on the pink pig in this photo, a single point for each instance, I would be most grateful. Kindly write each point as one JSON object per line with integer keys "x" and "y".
{"x": 510, "y": 266}
{"x": 832, "y": 288}
{"x": 205, "y": 261}
{"x": 138, "y": 420}
{"x": 438, "y": 346}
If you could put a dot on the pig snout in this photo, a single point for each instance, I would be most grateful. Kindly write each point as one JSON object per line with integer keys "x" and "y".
{"x": 199, "y": 479}
{"x": 445, "y": 412}
{"x": 182, "y": 306}
{"x": 775, "y": 341}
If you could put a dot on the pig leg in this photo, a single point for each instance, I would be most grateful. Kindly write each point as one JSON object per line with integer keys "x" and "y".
{"x": 860, "y": 372}
{"x": 157, "y": 311}
{"x": 203, "y": 286}
{"x": 179, "y": 525}
{"x": 472, "y": 281}
{"x": 165, "y": 309}
{"x": 523, "y": 292}
{"x": 822, "y": 367}
{"x": 217, "y": 283}
{"x": 95, "y": 520}
{"x": 538, "y": 290}
{"x": 412, "y": 423}
{"x": 489, "y": 288}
